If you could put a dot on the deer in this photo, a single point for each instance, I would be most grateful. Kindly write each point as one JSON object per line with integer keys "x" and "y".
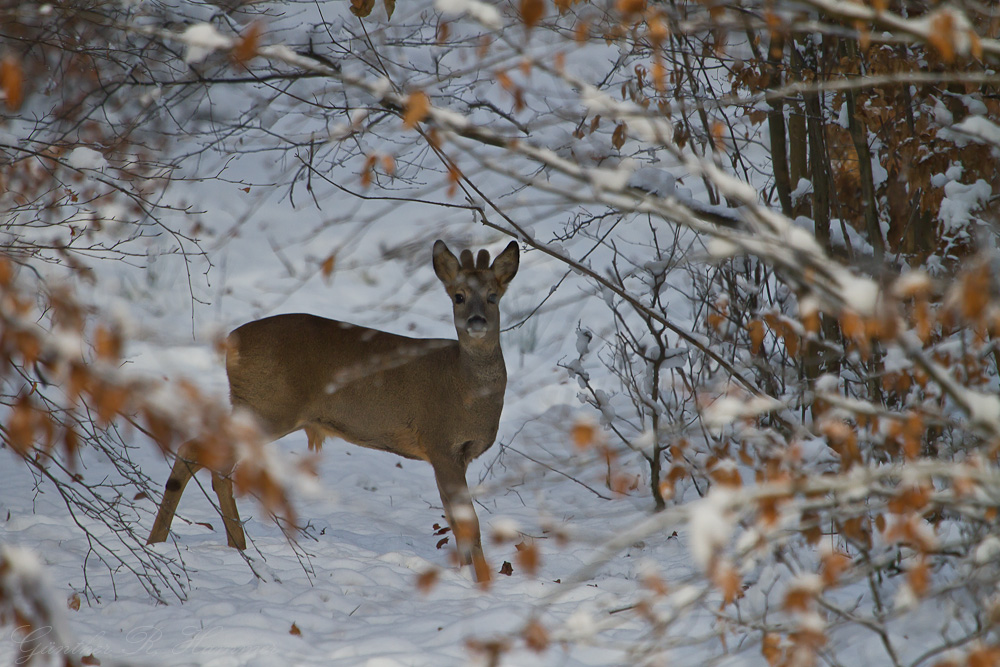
{"x": 436, "y": 400}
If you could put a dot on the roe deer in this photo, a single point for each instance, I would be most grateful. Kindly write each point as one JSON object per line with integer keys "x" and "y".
{"x": 437, "y": 400}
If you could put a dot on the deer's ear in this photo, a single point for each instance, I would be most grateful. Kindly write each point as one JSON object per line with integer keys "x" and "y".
{"x": 445, "y": 263}
{"x": 506, "y": 263}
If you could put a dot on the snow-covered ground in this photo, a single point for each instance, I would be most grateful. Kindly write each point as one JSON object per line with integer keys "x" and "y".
{"x": 353, "y": 597}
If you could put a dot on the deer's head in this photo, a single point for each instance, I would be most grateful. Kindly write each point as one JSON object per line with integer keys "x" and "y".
{"x": 475, "y": 287}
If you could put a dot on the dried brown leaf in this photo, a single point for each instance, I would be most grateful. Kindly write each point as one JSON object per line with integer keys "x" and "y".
{"x": 727, "y": 579}
{"x": 528, "y": 557}
{"x": 756, "y": 329}
{"x": 426, "y": 580}
{"x": 12, "y": 82}
{"x": 619, "y": 135}
{"x": 108, "y": 344}
{"x": 835, "y": 563}
{"x": 326, "y": 268}
{"x": 362, "y": 8}
{"x": 918, "y": 576}
{"x": 536, "y": 636}
{"x": 532, "y": 12}
{"x": 245, "y": 49}
{"x": 584, "y": 434}
{"x": 771, "y": 649}
{"x": 417, "y": 107}
{"x": 629, "y": 8}
{"x": 942, "y": 35}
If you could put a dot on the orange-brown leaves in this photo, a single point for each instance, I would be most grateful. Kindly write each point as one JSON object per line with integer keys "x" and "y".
{"x": 724, "y": 472}
{"x": 908, "y": 435}
{"x": 6, "y": 272}
{"x": 800, "y": 595}
{"x": 942, "y": 35}
{"x": 532, "y": 12}
{"x": 756, "y": 329}
{"x": 368, "y": 169}
{"x": 657, "y": 30}
{"x": 974, "y": 295}
{"x": 834, "y": 564}
{"x": 362, "y": 8}
{"x": 246, "y": 46}
{"x": 843, "y": 439}
{"x": 771, "y": 649}
{"x": 786, "y": 330}
{"x": 619, "y": 135}
{"x": 564, "y": 5}
{"x": 913, "y": 530}
{"x": 326, "y": 268}
{"x": 108, "y": 343}
{"x": 528, "y": 557}
{"x": 12, "y": 82}
{"x": 25, "y": 420}
{"x": 584, "y": 434}
{"x": 110, "y": 400}
{"x": 728, "y": 580}
{"x": 853, "y": 328}
{"x": 536, "y": 637}
{"x": 427, "y": 579}
{"x": 515, "y": 90}
{"x": 254, "y": 476}
{"x": 630, "y": 8}
{"x": 918, "y": 576}
{"x": 418, "y": 106}
{"x": 857, "y": 529}
{"x": 984, "y": 656}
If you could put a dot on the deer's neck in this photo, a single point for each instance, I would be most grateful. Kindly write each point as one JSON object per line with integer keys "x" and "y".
{"x": 482, "y": 365}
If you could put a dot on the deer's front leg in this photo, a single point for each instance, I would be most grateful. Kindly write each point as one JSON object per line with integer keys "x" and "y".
{"x": 461, "y": 516}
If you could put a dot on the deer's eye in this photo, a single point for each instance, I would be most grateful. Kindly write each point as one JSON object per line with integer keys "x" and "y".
{"x": 492, "y": 298}
{"x": 459, "y": 298}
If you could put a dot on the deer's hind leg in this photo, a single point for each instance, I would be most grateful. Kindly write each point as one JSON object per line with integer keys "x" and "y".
{"x": 185, "y": 466}
{"x": 223, "y": 486}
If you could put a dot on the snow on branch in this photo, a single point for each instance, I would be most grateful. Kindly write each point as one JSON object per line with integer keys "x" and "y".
{"x": 947, "y": 28}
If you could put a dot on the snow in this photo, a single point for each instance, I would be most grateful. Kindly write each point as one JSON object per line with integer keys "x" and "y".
{"x": 988, "y": 550}
{"x": 202, "y": 39}
{"x": 961, "y": 200}
{"x": 984, "y": 409}
{"x": 727, "y": 409}
{"x": 980, "y": 129}
{"x": 710, "y": 526}
{"x": 720, "y": 249}
{"x": 83, "y": 157}
{"x": 483, "y": 12}
{"x": 612, "y": 179}
{"x": 659, "y": 182}
{"x": 861, "y": 294}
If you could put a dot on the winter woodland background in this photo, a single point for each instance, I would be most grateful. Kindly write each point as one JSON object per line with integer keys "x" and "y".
{"x": 753, "y": 412}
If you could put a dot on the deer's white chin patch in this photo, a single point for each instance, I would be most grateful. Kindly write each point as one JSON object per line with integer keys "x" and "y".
{"x": 476, "y": 334}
